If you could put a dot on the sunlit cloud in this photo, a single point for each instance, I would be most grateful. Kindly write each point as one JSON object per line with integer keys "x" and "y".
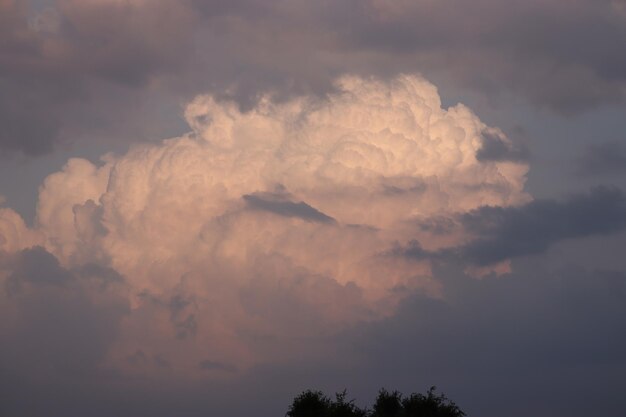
{"x": 271, "y": 223}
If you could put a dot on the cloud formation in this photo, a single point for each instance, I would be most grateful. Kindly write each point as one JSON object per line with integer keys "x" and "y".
{"x": 304, "y": 227}
{"x": 504, "y": 233}
{"x": 495, "y": 235}
{"x": 498, "y": 148}
{"x": 270, "y": 224}
{"x": 57, "y": 322}
{"x": 72, "y": 70}
{"x": 603, "y": 159}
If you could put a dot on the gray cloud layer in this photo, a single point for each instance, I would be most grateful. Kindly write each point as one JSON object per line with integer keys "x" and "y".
{"x": 603, "y": 159}
{"x": 62, "y": 321}
{"x": 512, "y": 232}
{"x": 509, "y": 232}
{"x": 107, "y": 68}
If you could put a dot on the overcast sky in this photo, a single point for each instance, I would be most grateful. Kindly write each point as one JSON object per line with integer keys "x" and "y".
{"x": 208, "y": 206}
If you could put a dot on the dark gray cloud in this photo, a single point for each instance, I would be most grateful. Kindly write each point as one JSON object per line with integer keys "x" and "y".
{"x": 438, "y": 225}
{"x": 545, "y": 51}
{"x": 89, "y": 70}
{"x": 38, "y": 267}
{"x": 57, "y": 323}
{"x": 279, "y": 203}
{"x": 602, "y": 159}
{"x": 494, "y": 148}
{"x": 59, "y": 65}
{"x": 502, "y": 233}
{"x": 509, "y": 232}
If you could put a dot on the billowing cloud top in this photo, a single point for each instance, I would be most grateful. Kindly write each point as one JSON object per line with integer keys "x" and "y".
{"x": 273, "y": 223}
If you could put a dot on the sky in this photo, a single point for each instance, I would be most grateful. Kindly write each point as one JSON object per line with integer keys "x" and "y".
{"x": 209, "y": 206}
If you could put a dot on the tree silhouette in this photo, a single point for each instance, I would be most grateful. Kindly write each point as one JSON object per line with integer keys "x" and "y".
{"x": 342, "y": 408}
{"x": 430, "y": 405}
{"x": 388, "y": 404}
{"x": 310, "y": 404}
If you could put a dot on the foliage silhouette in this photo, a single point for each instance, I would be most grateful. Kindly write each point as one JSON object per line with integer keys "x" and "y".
{"x": 310, "y": 404}
{"x": 316, "y": 404}
{"x": 388, "y": 404}
{"x": 342, "y": 408}
{"x": 430, "y": 405}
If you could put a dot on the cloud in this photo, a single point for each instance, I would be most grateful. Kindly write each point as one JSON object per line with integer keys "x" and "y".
{"x": 76, "y": 71}
{"x": 490, "y": 37}
{"x": 262, "y": 227}
{"x": 494, "y": 235}
{"x": 62, "y": 59}
{"x": 495, "y": 148}
{"x": 14, "y": 234}
{"x": 532, "y": 329}
{"x": 36, "y": 266}
{"x": 602, "y": 159}
{"x": 57, "y": 322}
{"x": 278, "y": 204}
{"x": 531, "y": 229}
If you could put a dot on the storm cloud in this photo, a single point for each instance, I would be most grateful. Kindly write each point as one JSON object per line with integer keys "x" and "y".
{"x": 501, "y": 233}
{"x": 533, "y": 228}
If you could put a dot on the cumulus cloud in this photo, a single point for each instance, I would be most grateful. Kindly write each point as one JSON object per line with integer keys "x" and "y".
{"x": 270, "y": 224}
